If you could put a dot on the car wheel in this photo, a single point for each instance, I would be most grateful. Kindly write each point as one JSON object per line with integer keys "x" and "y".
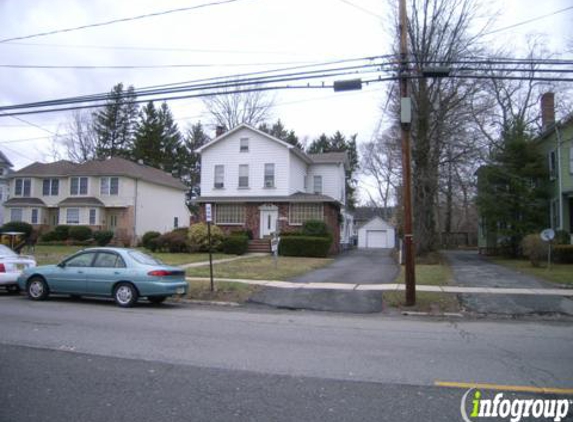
{"x": 37, "y": 288}
{"x": 125, "y": 295}
{"x": 157, "y": 299}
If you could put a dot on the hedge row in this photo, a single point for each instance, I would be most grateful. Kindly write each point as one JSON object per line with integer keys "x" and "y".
{"x": 310, "y": 246}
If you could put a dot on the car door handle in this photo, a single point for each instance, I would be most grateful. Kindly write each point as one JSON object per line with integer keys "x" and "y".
{"x": 80, "y": 272}
{"x": 116, "y": 272}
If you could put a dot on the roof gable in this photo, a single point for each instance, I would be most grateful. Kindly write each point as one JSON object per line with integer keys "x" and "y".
{"x": 376, "y": 223}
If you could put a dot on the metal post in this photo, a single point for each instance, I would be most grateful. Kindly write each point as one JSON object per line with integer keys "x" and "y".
{"x": 406, "y": 168}
{"x": 210, "y": 256}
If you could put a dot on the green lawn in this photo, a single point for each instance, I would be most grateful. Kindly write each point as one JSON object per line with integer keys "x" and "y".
{"x": 262, "y": 268}
{"x": 48, "y": 254}
{"x": 224, "y": 292}
{"x": 559, "y": 273}
{"x": 438, "y": 274}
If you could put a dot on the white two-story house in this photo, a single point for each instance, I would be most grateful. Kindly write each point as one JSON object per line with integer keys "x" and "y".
{"x": 112, "y": 194}
{"x": 257, "y": 182}
{"x": 5, "y": 170}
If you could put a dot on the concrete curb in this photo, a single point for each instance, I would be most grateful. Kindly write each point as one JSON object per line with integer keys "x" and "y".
{"x": 222, "y": 261}
{"x": 392, "y": 287}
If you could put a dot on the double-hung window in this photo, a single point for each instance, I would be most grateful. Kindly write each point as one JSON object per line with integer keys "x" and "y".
{"x": 244, "y": 145}
{"x": 34, "y": 217}
{"x": 552, "y": 165}
{"x": 109, "y": 186}
{"x": 50, "y": 187}
{"x": 79, "y": 186}
{"x": 73, "y": 216}
{"x": 317, "y": 186}
{"x": 92, "y": 217}
{"x": 22, "y": 187}
{"x": 16, "y": 214}
{"x": 243, "y": 176}
{"x": 269, "y": 175}
{"x": 219, "y": 176}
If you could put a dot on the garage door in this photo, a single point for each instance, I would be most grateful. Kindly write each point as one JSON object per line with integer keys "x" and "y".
{"x": 376, "y": 239}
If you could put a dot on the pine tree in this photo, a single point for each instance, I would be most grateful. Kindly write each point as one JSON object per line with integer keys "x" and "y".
{"x": 279, "y": 131}
{"x": 114, "y": 124}
{"x": 196, "y": 138}
{"x": 512, "y": 190}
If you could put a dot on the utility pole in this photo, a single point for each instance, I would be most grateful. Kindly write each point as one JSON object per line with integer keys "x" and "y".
{"x": 405, "y": 121}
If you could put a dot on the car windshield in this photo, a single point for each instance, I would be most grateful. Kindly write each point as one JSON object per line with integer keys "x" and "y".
{"x": 6, "y": 251}
{"x": 145, "y": 259}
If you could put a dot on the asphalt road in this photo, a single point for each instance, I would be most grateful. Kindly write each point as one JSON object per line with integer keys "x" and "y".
{"x": 473, "y": 270}
{"x": 363, "y": 266}
{"x": 89, "y": 360}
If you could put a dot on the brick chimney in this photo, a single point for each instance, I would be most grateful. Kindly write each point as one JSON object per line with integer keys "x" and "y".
{"x": 219, "y": 130}
{"x": 547, "y": 110}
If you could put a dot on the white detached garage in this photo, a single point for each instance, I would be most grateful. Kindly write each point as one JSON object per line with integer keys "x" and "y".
{"x": 376, "y": 233}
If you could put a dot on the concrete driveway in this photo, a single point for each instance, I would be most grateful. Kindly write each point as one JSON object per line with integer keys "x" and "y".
{"x": 364, "y": 266}
{"x": 473, "y": 270}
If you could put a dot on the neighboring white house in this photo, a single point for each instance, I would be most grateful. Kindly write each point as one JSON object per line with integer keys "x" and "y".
{"x": 376, "y": 233}
{"x": 111, "y": 194}
{"x": 5, "y": 170}
{"x": 260, "y": 183}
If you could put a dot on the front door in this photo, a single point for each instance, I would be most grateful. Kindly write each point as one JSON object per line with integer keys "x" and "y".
{"x": 268, "y": 222}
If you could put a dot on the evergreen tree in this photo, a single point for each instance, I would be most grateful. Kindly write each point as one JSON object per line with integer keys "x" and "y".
{"x": 512, "y": 190}
{"x": 114, "y": 124}
{"x": 196, "y": 138}
{"x": 158, "y": 140}
{"x": 279, "y": 131}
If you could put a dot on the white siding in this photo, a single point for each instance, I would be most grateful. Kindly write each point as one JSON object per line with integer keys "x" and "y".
{"x": 261, "y": 151}
{"x": 298, "y": 171}
{"x": 332, "y": 180}
{"x": 374, "y": 228}
{"x": 157, "y": 206}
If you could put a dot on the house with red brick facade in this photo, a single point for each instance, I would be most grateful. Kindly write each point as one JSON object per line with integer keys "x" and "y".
{"x": 257, "y": 182}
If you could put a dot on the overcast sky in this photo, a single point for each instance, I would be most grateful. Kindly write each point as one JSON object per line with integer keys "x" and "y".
{"x": 247, "y": 35}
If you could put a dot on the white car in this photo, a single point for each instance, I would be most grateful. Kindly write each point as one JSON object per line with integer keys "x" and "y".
{"x": 11, "y": 266}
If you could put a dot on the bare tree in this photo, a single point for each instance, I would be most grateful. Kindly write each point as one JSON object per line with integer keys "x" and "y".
{"x": 79, "y": 139}
{"x": 440, "y": 33}
{"x": 380, "y": 161}
{"x": 233, "y": 106}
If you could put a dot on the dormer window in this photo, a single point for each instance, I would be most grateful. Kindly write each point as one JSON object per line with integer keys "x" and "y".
{"x": 244, "y": 145}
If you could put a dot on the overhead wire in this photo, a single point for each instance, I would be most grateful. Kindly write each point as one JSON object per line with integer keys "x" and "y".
{"x": 120, "y": 20}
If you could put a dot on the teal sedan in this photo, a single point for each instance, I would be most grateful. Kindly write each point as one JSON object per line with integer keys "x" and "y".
{"x": 123, "y": 274}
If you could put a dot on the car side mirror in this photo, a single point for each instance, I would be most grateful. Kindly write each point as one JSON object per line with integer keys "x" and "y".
{"x": 62, "y": 265}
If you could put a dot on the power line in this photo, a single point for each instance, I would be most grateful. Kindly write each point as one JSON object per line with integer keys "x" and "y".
{"x": 495, "y": 31}
{"x": 363, "y": 9}
{"x": 155, "y": 66}
{"x": 114, "y": 21}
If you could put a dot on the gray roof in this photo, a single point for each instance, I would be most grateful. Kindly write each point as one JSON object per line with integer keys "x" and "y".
{"x": 298, "y": 197}
{"x": 24, "y": 202}
{"x": 329, "y": 157}
{"x": 81, "y": 201}
{"x": 113, "y": 166}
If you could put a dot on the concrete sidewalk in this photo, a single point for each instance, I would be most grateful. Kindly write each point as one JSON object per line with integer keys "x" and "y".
{"x": 221, "y": 261}
{"x": 393, "y": 287}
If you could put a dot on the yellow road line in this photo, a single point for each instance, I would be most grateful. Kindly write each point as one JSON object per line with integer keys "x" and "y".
{"x": 515, "y": 388}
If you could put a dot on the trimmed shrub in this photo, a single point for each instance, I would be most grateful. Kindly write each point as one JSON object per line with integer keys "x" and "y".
{"x": 18, "y": 226}
{"x": 242, "y": 232}
{"x": 199, "y": 240}
{"x": 62, "y": 232}
{"x": 49, "y": 237}
{"x": 315, "y": 228}
{"x": 81, "y": 233}
{"x": 291, "y": 233}
{"x": 305, "y": 246}
{"x": 534, "y": 249}
{"x": 562, "y": 237}
{"x": 103, "y": 237}
{"x": 235, "y": 245}
{"x": 563, "y": 254}
{"x": 174, "y": 242}
{"x": 148, "y": 237}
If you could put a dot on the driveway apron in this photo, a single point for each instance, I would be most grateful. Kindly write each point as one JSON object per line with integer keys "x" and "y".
{"x": 363, "y": 266}
{"x": 473, "y": 270}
